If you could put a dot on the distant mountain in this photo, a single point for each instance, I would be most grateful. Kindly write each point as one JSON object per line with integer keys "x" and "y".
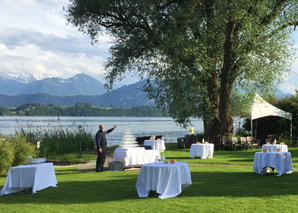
{"x": 124, "y": 97}
{"x": 9, "y": 86}
{"x": 280, "y": 94}
{"x": 80, "y": 84}
{"x": 128, "y": 96}
{"x": 21, "y": 78}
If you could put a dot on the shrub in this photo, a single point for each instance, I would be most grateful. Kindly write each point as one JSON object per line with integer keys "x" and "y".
{"x": 59, "y": 141}
{"x": 6, "y": 156}
{"x": 200, "y": 137}
{"x": 22, "y": 149}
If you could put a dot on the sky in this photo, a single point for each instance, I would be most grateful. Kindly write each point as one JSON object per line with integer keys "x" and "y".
{"x": 36, "y": 39}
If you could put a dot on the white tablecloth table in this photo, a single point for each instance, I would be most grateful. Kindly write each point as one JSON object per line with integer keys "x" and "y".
{"x": 273, "y": 147}
{"x": 35, "y": 176}
{"x": 156, "y": 144}
{"x": 203, "y": 150}
{"x": 135, "y": 156}
{"x": 168, "y": 180}
{"x": 281, "y": 161}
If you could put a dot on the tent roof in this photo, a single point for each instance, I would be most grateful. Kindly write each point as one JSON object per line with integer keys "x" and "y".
{"x": 261, "y": 108}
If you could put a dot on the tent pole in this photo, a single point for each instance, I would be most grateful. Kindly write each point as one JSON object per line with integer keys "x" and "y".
{"x": 256, "y": 128}
{"x": 291, "y": 129}
{"x": 251, "y": 128}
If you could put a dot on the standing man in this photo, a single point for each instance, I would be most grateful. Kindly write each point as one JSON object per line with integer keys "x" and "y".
{"x": 101, "y": 143}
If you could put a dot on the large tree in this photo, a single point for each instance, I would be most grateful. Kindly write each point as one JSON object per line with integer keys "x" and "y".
{"x": 196, "y": 51}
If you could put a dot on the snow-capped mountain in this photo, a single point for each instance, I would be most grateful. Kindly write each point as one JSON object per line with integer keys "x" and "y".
{"x": 22, "y": 78}
{"x": 125, "y": 97}
{"x": 80, "y": 84}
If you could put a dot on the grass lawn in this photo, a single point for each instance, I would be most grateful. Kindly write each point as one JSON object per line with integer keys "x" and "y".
{"x": 239, "y": 157}
{"x": 72, "y": 158}
{"x": 216, "y": 187}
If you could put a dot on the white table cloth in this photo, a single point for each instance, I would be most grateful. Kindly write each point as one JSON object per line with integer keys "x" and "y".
{"x": 135, "y": 156}
{"x": 281, "y": 161}
{"x": 35, "y": 176}
{"x": 168, "y": 180}
{"x": 273, "y": 147}
{"x": 156, "y": 144}
{"x": 203, "y": 150}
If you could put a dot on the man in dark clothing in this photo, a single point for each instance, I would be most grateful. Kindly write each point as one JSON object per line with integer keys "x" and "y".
{"x": 101, "y": 143}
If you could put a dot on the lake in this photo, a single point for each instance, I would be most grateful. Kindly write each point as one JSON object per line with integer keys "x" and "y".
{"x": 140, "y": 126}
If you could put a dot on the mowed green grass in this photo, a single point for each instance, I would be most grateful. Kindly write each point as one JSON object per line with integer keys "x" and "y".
{"x": 239, "y": 157}
{"x": 216, "y": 187}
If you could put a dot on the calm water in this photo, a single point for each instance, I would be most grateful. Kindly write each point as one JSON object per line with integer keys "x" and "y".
{"x": 140, "y": 126}
{"x": 146, "y": 126}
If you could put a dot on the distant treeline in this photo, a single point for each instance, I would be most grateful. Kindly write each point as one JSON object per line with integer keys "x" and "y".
{"x": 81, "y": 109}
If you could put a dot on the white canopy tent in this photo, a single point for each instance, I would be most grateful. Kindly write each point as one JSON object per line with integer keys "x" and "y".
{"x": 262, "y": 108}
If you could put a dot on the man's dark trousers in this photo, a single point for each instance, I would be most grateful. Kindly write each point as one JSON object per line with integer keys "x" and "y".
{"x": 101, "y": 157}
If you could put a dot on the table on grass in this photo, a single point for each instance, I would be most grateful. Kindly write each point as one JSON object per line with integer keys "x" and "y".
{"x": 281, "y": 161}
{"x": 156, "y": 144}
{"x": 203, "y": 150}
{"x": 168, "y": 180}
{"x": 273, "y": 147}
{"x": 24, "y": 177}
{"x": 135, "y": 156}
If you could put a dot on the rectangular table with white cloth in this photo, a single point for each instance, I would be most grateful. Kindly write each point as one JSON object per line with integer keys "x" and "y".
{"x": 156, "y": 144}
{"x": 135, "y": 156}
{"x": 168, "y": 180}
{"x": 203, "y": 150}
{"x": 281, "y": 161}
{"x": 35, "y": 176}
{"x": 273, "y": 147}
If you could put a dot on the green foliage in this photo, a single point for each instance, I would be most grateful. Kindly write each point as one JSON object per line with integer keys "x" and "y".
{"x": 200, "y": 137}
{"x": 290, "y": 104}
{"x": 241, "y": 103}
{"x": 196, "y": 51}
{"x": 82, "y": 109}
{"x": 14, "y": 151}
{"x": 6, "y": 155}
{"x": 59, "y": 141}
{"x": 22, "y": 149}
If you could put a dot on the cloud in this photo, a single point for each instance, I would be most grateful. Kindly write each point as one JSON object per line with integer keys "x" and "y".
{"x": 32, "y": 59}
{"x": 35, "y": 39}
{"x": 70, "y": 44}
{"x": 45, "y": 17}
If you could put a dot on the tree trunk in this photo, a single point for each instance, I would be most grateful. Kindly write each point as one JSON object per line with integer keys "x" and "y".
{"x": 225, "y": 119}
{"x": 211, "y": 123}
{"x": 211, "y": 132}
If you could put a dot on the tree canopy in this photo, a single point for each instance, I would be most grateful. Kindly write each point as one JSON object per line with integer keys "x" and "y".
{"x": 197, "y": 51}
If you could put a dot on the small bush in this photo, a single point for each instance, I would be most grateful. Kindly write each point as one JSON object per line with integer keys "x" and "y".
{"x": 22, "y": 149}
{"x": 6, "y": 156}
{"x": 200, "y": 137}
{"x": 59, "y": 141}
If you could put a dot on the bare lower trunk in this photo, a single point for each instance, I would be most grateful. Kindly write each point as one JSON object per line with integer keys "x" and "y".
{"x": 211, "y": 129}
{"x": 226, "y": 83}
{"x": 225, "y": 117}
